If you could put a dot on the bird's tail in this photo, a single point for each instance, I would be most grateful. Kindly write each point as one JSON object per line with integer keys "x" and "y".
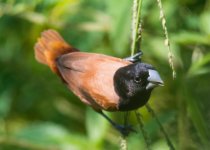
{"x": 49, "y": 47}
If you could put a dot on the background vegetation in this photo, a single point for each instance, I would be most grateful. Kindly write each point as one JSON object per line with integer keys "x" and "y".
{"x": 38, "y": 112}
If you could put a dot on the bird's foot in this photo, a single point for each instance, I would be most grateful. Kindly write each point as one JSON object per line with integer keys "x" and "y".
{"x": 135, "y": 58}
{"x": 125, "y": 130}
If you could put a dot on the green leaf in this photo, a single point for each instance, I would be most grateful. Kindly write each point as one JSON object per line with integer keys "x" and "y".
{"x": 198, "y": 67}
{"x": 96, "y": 126}
{"x": 185, "y": 38}
{"x": 49, "y": 134}
{"x": 160, "y": 145}
{"x": 205, "y": 22}
{"x": 197, "y": 118}
{"x": 120, "y": 24}
{"x": 5, "y": 103}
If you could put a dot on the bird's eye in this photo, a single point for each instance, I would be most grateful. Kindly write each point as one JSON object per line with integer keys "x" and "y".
{"x": 137, "y": 79}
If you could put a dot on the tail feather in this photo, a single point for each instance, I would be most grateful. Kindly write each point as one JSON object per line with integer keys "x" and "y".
{"x": 49, "y": 47}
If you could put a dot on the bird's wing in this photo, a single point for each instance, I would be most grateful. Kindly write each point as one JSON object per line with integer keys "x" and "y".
{"x": 90, "y": 77}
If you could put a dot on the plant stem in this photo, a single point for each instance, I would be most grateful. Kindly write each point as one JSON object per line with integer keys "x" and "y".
{"x": 136, "y": 24}
{"x": 144, "y": 133}
{"x": 170, "y": 145}
{"x": 183, "y": 131}
{"x": 167, "y": 41}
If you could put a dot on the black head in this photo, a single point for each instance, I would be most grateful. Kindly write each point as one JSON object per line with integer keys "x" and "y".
{"x": 134, "y": 83}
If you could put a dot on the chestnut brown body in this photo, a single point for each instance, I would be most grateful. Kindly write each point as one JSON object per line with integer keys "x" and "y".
{"x": 87, "y": 75}
{"x": 90, "y": 77}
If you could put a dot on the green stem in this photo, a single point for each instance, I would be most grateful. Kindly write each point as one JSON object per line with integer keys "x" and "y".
{"x": 183, "y": 131}
{"x": 144, "y": 133}
{"x": 136, "y": 25}
{"x": 170, "y": 145}
{"x": 167, "y": 41}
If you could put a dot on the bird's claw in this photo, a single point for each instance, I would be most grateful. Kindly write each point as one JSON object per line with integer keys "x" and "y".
{"x": 135, "y": 58}
{"x": 125, "y": 129}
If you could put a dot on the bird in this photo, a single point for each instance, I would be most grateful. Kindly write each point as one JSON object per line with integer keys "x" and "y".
{"x": 103, "y": 82}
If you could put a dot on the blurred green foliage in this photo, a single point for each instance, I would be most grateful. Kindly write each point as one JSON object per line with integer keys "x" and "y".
{"x": 38, "y": 112}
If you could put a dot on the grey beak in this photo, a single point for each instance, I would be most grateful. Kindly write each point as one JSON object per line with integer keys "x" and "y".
{"x": 154, "y": 80}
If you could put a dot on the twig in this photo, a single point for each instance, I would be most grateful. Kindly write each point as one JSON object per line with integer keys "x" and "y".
{"x": 144, "y": 133}
{"x": 150, "y": 110}
{"x": 167, "y": 42}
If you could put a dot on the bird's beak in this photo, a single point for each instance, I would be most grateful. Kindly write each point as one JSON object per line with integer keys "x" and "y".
{"x": 154, "y": 80}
